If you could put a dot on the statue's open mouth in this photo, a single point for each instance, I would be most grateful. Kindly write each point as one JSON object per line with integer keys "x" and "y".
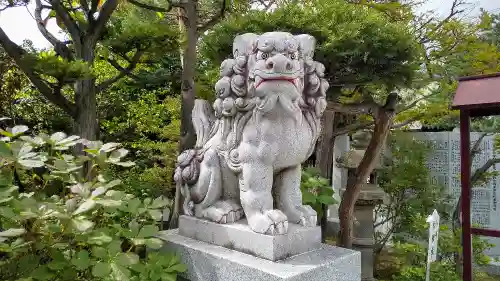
{"x": 266, "y": 77}
{"x": 262, "y": 80}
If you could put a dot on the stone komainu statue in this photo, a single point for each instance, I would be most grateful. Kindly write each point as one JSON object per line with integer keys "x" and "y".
{"x": 264, "y": 124}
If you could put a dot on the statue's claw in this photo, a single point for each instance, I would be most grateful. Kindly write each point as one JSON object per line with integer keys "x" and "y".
{"x": 227, "y": 211}
{"x": 272, "y": 222}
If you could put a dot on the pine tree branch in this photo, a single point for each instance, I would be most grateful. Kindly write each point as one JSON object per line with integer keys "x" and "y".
{"x": 18, "y": 54}
{"x": 454, "y": 10}
{"x": 407, "y": 122}
{"x": 156, "y": 8}
{"x": 365, "y": 107}
{"x": 60, "y": 48}
{"x": 123, "y": 71}
{"x": 96, "y": 27}
{"x": 215, "y": 19}
{"x": 68, "y": 22}
{"x": 480, "y": 171}
{"x": 416, "y": 101}
{"x": 93, "y": 9}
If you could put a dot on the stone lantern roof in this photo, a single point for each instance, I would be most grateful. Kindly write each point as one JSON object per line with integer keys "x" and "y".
{"x": 352, "y": 159}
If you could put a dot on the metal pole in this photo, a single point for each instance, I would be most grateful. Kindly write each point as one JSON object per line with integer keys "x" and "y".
{"x": 466, "y": 194}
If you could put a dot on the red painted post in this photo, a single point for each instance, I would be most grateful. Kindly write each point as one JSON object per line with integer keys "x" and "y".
{"x": 466, "y": 194}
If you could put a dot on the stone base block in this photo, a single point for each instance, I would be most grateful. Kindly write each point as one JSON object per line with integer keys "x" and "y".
{"x": 208, "y": 262}
{"x": 238, "y": 236}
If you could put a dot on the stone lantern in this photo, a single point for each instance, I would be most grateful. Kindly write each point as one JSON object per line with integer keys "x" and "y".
{"x": 370, "y": 196}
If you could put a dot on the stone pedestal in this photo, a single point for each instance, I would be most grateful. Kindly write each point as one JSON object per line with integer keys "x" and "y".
{"x": 210, "y": 254}
{"x": 240, "y": 237}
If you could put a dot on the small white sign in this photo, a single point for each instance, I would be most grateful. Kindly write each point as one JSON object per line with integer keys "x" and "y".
{"x": 433, "y": 221}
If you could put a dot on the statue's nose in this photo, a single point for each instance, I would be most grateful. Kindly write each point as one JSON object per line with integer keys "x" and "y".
{"x": 279, "y": 63}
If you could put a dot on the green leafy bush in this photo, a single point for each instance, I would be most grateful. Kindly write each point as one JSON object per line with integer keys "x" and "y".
{"x": 316, "y": 190}
{"x": 70, "y": 225}
{"x": 410, "y": 254}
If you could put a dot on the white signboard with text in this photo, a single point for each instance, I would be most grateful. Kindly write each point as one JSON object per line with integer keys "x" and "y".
{"x": 433, "y": 221}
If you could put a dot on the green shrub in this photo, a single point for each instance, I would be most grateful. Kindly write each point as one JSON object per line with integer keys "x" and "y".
{"x": 316, "y": 190}
{"x": 59, "y": 223}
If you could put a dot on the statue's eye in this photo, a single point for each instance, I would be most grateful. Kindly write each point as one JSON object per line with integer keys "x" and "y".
{"x": 293, "y": 56}
{"x": 264, "y": 56}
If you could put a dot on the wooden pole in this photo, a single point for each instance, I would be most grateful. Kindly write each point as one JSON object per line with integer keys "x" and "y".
{"x": 466, "y": 194}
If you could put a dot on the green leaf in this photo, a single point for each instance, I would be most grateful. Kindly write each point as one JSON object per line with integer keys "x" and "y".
{"x": 327, "y": 200}
{"x": 148, "y": 231}
{"x": 101, "y": 269}
{"x": 125, "y": 164}
{"x": 61, "y": 164}
{"x": 154, "y": 243}
{"x": 57, "y": 136}
{"x": 169, "y": 277}
{"x": 159, "y": 202}
{"x": 82, "y": 224}
{"x": 126, "y": 259}
{"x": 5, "y": 133}
{"x": 119, "y": 272}
{"x": 87, "y": 205}
{"x": 107, "y": 147}
{"x": 81, "y": 260}
{"x": 176, "y": 268}
{"x": 12, "y": 232}
{"x": 99, "y": 191}
{"x": 160, "y": 15}
{"x": 99, "y": 252}
{"x": 308, "y": 197}
{"x": 112, "y": 183}
{"x": 4, "y": 150}
{"x": 29, "y": 163}
{"x": 57, "y": 265}
{"x": 109, "y": 203}
{"x": 133, "y": 205}
{"x": 134, "y": 227}
{"x": 100, "y": 239}
{"x": 42, "y": 273}
{"x": 115, "y": 247}
{"x": 155, "y": 214}
{"x": 19, "y": 129}
{"x": 119, "y": 153}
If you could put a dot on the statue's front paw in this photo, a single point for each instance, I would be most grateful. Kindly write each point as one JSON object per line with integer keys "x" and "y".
{"x": 227, "y": 211}
{"x": 308, "y": 216}
{"x": 272, "y": 222}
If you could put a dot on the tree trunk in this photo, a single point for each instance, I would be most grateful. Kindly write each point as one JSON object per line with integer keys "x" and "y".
{"x": 86, "y": 100}
{"x": 188, "y": 22}
{"x": 383, "y": 124}
{"x": 188, "y": 136}
{"x": 324, "y": 160}
{"x": 86, "y": 124}
{"x": 86, "y": 118}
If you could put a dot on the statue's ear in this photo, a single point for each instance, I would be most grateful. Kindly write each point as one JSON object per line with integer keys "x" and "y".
{"x": 244, "y": 44}
{"x": 307, "y": 43}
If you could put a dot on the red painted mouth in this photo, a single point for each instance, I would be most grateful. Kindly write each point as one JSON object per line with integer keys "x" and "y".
{"x": 291, "y": 80}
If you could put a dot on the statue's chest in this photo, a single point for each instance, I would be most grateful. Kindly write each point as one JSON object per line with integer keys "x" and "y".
{"x": 290, "y": 140}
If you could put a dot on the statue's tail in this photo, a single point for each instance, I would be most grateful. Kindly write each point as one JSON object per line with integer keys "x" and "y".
{"x": 203, "y": 122}
{"x": 188, "y": 162}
